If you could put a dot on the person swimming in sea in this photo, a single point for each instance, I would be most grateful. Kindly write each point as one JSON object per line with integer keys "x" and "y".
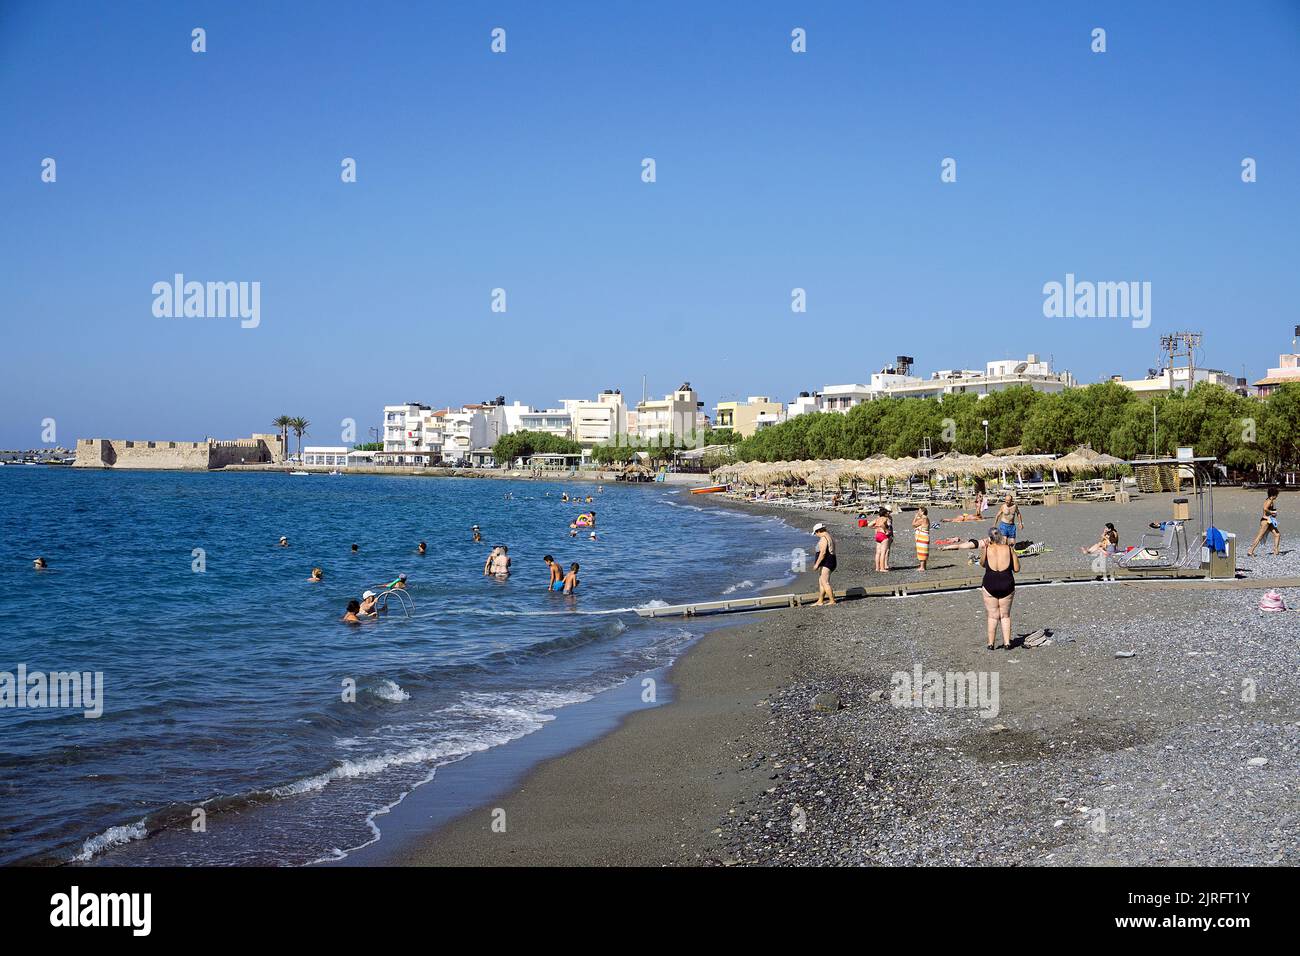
{"x": 40, "y": 564}
{"x": 422, "y": 549}
{"x": 498, "y": 562}
{"x": 478, "y": 535}
{"x": 356, "y": 549}
{"x": 350, "y": 616}
{"x": 284, "y": 542}
{"x": 370, "y": 605}
{"x": 557, "y": 574}
{"x": 571, "y": 579}
{"x": 397, "y": 584}
{"x": 317, "y": 576}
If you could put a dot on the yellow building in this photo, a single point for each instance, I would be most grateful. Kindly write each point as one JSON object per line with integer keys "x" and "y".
{"x": 747, "y": 417}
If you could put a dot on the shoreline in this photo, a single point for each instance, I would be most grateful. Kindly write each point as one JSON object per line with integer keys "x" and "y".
{"x": 1148, "y": 742}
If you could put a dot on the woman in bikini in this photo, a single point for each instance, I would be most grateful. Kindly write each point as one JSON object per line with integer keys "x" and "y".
{"x": 1267, "y": 524}
{"x": 883, "y": 527}
{"x": 1108, "y": 544}
{"x": 1000, "y": 564}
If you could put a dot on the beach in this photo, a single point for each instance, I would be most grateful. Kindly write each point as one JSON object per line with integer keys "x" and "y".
{"x": 1160, "y": 726}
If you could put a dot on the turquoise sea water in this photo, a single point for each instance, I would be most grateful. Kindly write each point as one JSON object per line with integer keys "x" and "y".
{"x": 224, "y": 688}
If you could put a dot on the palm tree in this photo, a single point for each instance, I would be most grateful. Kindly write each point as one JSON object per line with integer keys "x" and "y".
{"x": 283, "y": 423}
{"x": 299, "y": 426}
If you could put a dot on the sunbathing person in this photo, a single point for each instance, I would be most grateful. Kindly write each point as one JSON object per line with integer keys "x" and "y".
{"x": 1108, "y": 544}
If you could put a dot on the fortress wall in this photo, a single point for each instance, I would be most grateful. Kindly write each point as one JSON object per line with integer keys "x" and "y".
{"x": 175, "y": 455}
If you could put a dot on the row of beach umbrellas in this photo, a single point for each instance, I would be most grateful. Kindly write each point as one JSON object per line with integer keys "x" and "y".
{"x": 882, "y": 468}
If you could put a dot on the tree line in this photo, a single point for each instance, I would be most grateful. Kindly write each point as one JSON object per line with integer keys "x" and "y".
{"x": 1249, "y": 435}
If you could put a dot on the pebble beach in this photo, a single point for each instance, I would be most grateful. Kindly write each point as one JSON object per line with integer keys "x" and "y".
{"x": 1159, "y": 726}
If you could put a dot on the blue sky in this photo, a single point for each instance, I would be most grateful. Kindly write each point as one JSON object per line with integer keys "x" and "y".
{"x": 775, "y": 170}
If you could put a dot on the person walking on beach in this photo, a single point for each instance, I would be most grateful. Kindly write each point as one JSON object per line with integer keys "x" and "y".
{"x": 1010, "y": 520}
{"x": 1268, "y": 524}
{"x": 1000, "y": 563}
{"x": 824, "y": 564}
{"x": 557, "y": 574}
{"x": 884, "y": 530}
{"x": 921, "y": 528}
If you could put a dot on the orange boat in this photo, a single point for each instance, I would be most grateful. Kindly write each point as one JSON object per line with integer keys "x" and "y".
{"x": 711, "y": 490}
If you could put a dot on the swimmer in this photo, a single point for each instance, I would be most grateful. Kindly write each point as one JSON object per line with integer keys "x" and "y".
{"x": 369, "y": 604}
{"x": 350, "y": 617}
{"x": 422, "y": 549}
{"x": 284, "y": 542}
{"x": 397, "y": 584}
{"x": 573, "y": 532}
{"x": 356, "y": 549}
{"x": 557, "y": 575}
{"x": 592, "y": 536}
{"x": 498, "y": 562}
{"x": 40, "y": 564}
{"x": 478, "y": 536}
{"x": 317, "y": 576}
{"x": 571, "y": 579}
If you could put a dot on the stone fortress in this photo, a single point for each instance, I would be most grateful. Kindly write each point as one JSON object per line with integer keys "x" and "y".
{"x": 183, "y": 455}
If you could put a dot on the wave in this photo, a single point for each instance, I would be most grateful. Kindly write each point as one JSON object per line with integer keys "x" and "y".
{"x": 113, "y": 836}
{"x": 742, "y": 586}
{"x": 390, "y": 691}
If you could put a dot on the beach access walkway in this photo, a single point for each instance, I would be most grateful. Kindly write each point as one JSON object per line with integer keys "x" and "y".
{"x": 1155, "y": 578}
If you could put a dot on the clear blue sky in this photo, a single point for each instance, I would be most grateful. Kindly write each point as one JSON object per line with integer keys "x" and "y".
{"x": 522, "y": 171}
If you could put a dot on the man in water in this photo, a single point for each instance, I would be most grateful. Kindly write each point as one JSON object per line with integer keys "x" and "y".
{"x": 557, "y": 575}
{"x": 40, "y": 564}
{"x": 284, "y": 542}
{"x": 398, "y": 583}
{"x": 350, "y": 616}
{"x": 478, "y": 538}
{"x": 317, "y": 576}
{"x": 571, "y": 579}
{"x": 356, "y": 549}
{"x": 422, "y": 550}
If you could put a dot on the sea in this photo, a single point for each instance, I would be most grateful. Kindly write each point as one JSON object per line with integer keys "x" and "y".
{"x": 241, "y": 722}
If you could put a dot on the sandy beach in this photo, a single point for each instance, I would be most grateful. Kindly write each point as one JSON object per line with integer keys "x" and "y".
{"x": 1160, "y": 727}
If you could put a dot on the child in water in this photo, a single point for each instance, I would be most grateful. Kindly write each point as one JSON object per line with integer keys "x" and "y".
{"x": 571, "y": 579}
{"x": 557, "y": 575}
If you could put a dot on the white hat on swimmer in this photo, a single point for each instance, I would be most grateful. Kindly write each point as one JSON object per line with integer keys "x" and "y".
{"x": 368, "y": 594}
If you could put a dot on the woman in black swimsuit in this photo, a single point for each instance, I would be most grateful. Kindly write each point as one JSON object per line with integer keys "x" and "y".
{"x": 999, "y": 561}
{"x": 824, "y": 564}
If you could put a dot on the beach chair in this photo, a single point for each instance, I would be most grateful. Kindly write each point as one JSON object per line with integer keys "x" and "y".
{"x": 1162, "y": 549}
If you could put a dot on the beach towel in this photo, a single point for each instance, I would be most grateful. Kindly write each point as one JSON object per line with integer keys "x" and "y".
{"x": 1272, "y": 601}
{"x": 1215, "y": 541}
{"x": 922, "y": 544}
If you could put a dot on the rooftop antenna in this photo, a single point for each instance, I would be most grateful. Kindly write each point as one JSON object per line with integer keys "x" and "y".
{"x": 1181, "y": 345}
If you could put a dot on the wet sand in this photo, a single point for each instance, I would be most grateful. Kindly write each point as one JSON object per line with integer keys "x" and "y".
{"x": 1091, "y": 757}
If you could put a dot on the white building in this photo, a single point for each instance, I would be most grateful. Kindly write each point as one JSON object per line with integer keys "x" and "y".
{"x": 467, "y": 430}
{"x": 336, "y": 456}
{"x": 806, "y": 402}
{"x": 412, "y": 427}
{"x": 1163, "y": 381}
{"x": 674, "y": 417}
{"x": 600, "y": 422}
{"x": 994, "y": 377}
{"x": 551, "y": 421}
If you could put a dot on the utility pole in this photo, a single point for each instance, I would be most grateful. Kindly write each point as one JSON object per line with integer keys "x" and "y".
{"x": 1181, "y": 345}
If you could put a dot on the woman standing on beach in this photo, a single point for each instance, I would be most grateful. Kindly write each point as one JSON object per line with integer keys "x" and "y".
{"x": 1267, "y": 524}
{"x": 824, "y": 564}
{"x": 1000, "y": 563}
{"x": 921, "y": 528}
{"x": 884, "y": 529}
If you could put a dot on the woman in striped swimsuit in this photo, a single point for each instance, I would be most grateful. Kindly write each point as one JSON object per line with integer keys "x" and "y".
{"x": 921, "y": 527}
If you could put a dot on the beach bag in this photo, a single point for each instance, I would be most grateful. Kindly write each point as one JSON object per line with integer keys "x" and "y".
{"x": 1272, "y": 601}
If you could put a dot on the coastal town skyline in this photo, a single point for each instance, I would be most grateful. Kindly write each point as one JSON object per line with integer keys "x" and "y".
{"x": 793, "y": 196}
